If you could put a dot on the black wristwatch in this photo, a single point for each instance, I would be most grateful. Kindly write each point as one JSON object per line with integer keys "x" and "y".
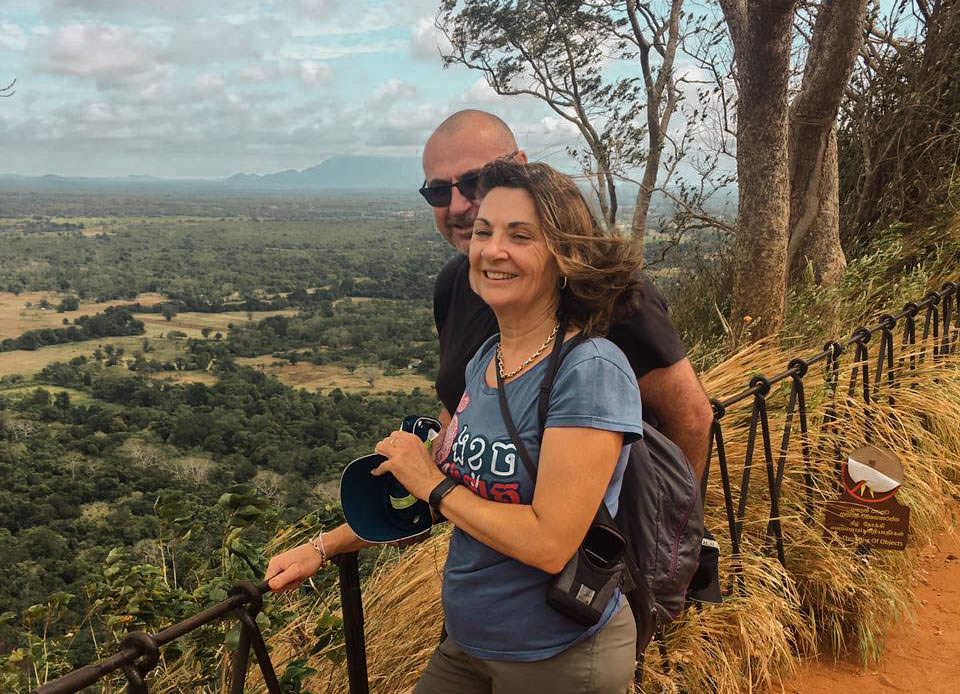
{"x": 440, "y": 491}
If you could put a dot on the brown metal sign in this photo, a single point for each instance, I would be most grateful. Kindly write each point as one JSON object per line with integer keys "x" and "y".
{"x": 867, "y": 512}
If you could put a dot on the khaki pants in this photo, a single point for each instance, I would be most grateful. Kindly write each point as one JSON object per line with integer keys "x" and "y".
{"x": 602, "y": 664}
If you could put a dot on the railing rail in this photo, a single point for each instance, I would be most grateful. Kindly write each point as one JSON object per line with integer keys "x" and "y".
{"x": 138, "y": 654}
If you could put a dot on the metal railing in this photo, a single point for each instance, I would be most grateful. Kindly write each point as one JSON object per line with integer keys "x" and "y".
{"x": 940, "y": 335}
{"x": 138, "y": 654}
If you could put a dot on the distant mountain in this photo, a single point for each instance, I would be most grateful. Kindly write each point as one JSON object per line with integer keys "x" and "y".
{"x": 341, "y": 172}
{"x": 336, "y": 173}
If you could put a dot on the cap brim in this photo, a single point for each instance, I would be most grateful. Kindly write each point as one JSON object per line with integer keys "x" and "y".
{"x": 364, "y": 498}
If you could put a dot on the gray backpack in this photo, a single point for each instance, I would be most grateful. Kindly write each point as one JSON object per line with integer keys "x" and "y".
{"x": 660, "y": 514}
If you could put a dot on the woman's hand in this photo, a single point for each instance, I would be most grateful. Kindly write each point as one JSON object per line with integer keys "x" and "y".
{"x": 288, "y": 570}
{"x": 410, "y": 462}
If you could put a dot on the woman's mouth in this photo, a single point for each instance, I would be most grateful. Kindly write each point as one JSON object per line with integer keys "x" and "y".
{"x": 491, "y": 275}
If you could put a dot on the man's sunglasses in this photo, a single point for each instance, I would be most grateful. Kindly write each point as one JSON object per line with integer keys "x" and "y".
{"x": 440, "y": 194}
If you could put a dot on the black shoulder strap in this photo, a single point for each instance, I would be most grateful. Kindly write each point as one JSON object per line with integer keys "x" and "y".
{"x": 557, "y": 355}
{"x": 556, "y": 359}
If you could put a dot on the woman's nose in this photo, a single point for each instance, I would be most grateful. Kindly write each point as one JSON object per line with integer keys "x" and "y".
{"x": 494, "y": 247}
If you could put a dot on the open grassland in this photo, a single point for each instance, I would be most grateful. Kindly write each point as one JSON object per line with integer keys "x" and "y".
{"x": 16, "y": 318}
{"x": 185, "y": 377}
{"x": 18, "y": 392}
{"x": 25, "y": 363}
{"x": 326, "y": 377}
{"x": 21, "y": 312}
{"x": 193, "y": 323}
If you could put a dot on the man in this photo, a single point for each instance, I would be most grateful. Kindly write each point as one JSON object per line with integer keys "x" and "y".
{"x": 672, "y": 396}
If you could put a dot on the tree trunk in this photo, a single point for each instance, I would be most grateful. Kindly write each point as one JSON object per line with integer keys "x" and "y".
{"x": 761, "y": 31}
{"x": 661, "y": 102}
{"x": 814, "y": 184}
{"x": 815, "y": 211}
{"x": 638, "y": 226}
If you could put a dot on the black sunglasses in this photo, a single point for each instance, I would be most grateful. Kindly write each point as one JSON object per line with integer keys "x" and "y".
{"x": 441, "y": 194}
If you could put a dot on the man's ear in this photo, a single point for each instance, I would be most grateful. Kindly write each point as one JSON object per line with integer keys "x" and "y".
{"x": 520, "y": 157}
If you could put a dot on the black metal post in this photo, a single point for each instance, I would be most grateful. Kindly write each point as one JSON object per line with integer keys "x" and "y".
{"x": 352, "y": 603}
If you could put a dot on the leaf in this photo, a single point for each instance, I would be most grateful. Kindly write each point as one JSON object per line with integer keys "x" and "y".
{"x": 232, "y": 639}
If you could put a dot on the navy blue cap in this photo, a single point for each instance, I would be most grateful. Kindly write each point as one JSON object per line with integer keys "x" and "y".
{"x": 380, "y": 509}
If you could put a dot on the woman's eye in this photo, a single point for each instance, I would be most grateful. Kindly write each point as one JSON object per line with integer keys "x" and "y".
{"x": 481, "y": 231}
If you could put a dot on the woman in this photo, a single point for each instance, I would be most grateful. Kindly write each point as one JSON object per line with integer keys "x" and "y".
{"x": 539, "y": 259}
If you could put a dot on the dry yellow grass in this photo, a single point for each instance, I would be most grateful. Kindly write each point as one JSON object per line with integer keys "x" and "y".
{"x": 16, "y": 317}
{"x": 29, "y": 362}
{"x": 323, "y": 378}
{"x": 193, "y": 323}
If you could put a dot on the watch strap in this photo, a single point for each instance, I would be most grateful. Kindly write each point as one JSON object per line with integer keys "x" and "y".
{"x": 440, "y": 491}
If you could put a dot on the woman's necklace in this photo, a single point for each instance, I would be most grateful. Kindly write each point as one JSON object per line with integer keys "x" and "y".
{"x": 533, "y": 356}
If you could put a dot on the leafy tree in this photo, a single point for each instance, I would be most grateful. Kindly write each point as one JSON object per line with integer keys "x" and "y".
{"x": 557, "y": 52}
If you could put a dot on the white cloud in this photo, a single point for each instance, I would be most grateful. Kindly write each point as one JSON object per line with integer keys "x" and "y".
{"x": 392, "y": 92}
{"x": 107, "y": 53}
{"x": 88, "y": 9}
{"x": 558, "y": 126}
{"x": 209, "y": 81}
{"x": 12, "y": 37}
{"x": 405, "y": 125}
{"x": 426, "y": 41}
{"x": 320, "y": 8}
{"x": 41, "y": 30}
{"x": 256, "y": 73}
{"x": 305, "y": 51}
{"x": 313, "y": 73}
{"x": 481, "y": 94}
{"x": 218, "y": 40}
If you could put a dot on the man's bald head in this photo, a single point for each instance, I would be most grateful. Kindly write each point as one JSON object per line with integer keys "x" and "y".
{"x": 473, "y": 123}
{"x": 463, "y": 144}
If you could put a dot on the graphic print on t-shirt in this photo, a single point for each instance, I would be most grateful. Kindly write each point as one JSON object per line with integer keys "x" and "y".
{"x": 489, "y": 469}
{"x": 443, "y": 450}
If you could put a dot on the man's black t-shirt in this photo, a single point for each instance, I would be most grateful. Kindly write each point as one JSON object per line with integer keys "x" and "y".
{"x": 464, "y": 321}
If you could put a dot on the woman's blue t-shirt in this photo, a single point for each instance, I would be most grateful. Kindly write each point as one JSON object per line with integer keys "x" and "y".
{"x": 495, "y": 606}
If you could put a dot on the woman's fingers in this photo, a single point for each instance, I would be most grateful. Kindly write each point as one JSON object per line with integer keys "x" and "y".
{"x": 288, "y": 570}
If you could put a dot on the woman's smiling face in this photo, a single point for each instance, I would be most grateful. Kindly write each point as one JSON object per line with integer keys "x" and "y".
{"x": 510, "y": 265}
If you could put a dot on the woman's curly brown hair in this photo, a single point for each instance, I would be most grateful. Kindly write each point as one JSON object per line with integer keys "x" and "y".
{"x": 601, "y": 267}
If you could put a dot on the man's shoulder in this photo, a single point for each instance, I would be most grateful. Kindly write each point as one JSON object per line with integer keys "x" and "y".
{"x": 646, "y": 333}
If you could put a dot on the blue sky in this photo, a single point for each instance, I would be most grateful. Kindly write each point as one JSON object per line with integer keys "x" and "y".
{"x": 184, "y": 88}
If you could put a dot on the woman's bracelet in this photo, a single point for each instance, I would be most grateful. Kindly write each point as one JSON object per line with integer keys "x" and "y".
{"x": 317, "y": 544}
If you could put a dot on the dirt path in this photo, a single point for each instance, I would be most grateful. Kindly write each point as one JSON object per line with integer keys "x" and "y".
{"x": 921, "y": 656}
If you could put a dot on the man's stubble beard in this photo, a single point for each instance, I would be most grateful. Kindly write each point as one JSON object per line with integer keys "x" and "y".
{"x": 460, "y": 226}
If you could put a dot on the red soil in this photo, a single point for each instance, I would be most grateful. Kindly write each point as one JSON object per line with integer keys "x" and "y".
{"x": 922, "y": 655}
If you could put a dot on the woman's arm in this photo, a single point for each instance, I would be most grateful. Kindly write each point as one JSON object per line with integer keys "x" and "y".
{"x": 575, "y": 468}
{"x": 288, "y": 570}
